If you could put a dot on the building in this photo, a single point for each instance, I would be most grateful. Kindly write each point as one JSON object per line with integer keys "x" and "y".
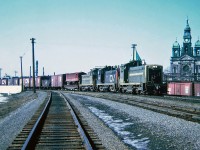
{"x": 185, "y": 60}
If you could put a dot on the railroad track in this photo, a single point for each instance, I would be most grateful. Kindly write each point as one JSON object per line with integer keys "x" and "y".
{"x": 187, "y": 113}
{"x": 56, "y": 126}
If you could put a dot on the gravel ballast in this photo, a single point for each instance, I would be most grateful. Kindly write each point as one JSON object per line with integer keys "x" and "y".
{"x": 175, "y": 133}
{"x": 108, "y": 138}
{"x": 13, "y": 123}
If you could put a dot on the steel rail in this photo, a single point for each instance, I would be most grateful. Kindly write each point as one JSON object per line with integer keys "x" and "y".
{"x": 86, "y": 141}
{"x": 29, "y": 143}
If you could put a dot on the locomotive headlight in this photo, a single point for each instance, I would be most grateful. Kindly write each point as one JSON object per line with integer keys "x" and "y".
{"x": 155, "y": 66}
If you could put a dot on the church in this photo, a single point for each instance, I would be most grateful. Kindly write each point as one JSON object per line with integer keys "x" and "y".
{"x": 185, "y": 60}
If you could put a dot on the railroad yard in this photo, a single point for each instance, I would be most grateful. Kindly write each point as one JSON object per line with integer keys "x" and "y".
{"x": 108, "y": 121}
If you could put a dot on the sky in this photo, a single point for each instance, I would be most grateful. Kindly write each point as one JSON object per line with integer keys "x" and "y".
{"x": 78, "y": 35}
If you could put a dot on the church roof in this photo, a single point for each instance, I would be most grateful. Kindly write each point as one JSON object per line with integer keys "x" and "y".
{"x": 186, "y": 58}
{"x": 176, "y": 44}
{"x": 197, "y": 44}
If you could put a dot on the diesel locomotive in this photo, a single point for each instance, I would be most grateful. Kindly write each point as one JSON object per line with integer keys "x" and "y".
{"x": 142, "y": 79}
{"x": 133, "y": 77}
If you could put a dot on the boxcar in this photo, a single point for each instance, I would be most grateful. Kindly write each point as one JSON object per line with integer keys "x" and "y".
{"x": 15, "y": 81}
{"x": 10, "y": 81}
{"x": 31, "y": 82}
{"x": 46, "y": 82}
{"x": 57, "y": 81}
{"x": 73, "y": 80}
{"x": 196, "y": 89}
{"x": 180, "y": 88}
{"x": 38, "y": 82}
{"x": 26, "y": 82}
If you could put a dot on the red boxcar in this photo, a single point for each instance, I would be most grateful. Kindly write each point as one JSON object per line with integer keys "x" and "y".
{"x": 31, "y": 82}
{"x": 196, "y": 89}
{"x": 57, "y": 81}
{"x": 73, "y": 80}
{"x": 180, "y": 88}
{"x": 26, "y": 81}
{"x": 38, "y": 82}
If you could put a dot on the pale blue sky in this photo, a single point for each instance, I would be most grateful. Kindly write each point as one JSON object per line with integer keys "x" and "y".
{"x": 77, "y": 35}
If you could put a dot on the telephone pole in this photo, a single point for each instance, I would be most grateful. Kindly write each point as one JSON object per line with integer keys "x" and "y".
{"x": 134, "y": 49}
{"x": 30, "y": 71}
{"x": 43, "y": 71}
{"x": 22, "y": 74}
{"x": 33, "y": 41}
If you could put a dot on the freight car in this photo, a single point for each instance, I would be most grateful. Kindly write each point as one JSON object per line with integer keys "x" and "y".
{"x": 42, "y": 82}
{"x": 57, "y": 81}
{"x": 46, "y": 82}
{"x": 180, "y": 88}
{"x": 26, "y": 82}
{"x": 73, "y": 80}
{"x": 183, "y": 88}
{"x": 137, "y": 78}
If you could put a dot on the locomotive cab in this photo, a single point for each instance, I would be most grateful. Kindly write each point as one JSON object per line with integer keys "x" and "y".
{"x": 154, "y": 79}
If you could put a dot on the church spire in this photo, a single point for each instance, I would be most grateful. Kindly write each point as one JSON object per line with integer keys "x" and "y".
{"x": 187, "y": 32}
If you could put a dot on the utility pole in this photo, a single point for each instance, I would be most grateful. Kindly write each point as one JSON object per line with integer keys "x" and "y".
{"x": 30, "y": 71}
{"x": 33, "y": 41}
{"x": 22, "y": 74}
{"x": 43, "y": 71}
{"x": 36, "y": 71}
{"x": 134, "y": 49}
{"x": 0, "y": 72}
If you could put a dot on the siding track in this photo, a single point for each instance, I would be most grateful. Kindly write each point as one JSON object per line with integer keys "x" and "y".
{"x": 184, "y": 112}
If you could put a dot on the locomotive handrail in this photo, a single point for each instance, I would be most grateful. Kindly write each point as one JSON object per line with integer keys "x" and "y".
{"x": 29, "y": 143}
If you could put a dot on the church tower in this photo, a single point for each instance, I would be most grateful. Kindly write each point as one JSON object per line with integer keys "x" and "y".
{"x": 185, "y": 61}
{"x": 187, "y": 44}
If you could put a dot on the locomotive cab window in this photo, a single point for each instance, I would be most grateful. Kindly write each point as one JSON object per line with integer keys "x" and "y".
{"x": 155, "y": 75}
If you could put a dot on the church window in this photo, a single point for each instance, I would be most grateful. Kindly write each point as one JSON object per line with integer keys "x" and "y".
{"x": 186, "y": 68}
{"x": 176, "y": 53}
{"x": 174, "y": 69}
{"x": 198, "y": 52}
{"x": 198, "y": 69}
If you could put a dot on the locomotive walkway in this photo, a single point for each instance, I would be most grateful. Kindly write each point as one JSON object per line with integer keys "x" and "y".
{"x": 188, "y": 110}
{"x": 56, "y": 126}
